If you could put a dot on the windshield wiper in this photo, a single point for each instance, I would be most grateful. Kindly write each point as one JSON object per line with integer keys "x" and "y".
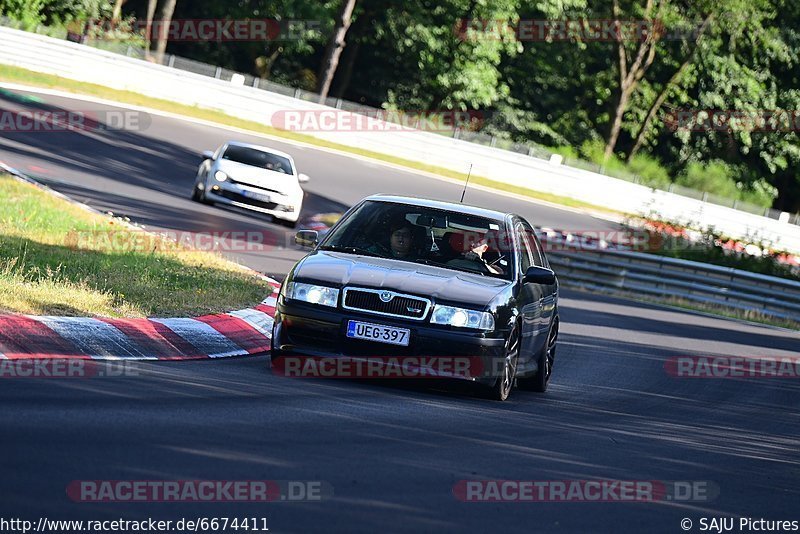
{"x": 432, "y": 263}
{"x": 351, "y": 250}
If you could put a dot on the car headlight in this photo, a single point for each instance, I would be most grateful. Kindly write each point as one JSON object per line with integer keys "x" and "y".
{"x": 313, "y": 294}
{"x": 220, "y": 176}
{"x": 462, "y": 318}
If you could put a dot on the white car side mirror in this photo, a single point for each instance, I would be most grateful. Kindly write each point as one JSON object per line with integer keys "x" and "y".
{"x": 303, "y": 178}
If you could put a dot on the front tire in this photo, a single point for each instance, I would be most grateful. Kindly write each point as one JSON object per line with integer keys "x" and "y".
{"x": 284, "y": 222}
{"x": 505, "y": 382}
{"x": 275, "y": 355}
{"x": 198, "y": 195}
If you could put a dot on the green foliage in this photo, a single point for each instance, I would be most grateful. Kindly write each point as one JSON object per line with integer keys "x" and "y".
{"x": 715, "y": 177}
{"x": 650, "y": 170}
{"x": 720, "y": 179}
{"x": 30, "y": 13}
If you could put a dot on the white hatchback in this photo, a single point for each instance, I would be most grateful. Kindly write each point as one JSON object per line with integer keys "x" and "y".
{"x": 252, "y": 177}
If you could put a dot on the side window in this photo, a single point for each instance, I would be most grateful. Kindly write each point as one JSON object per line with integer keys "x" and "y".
{"x": 524, "y": 249}
{"x": 536, "y": 247}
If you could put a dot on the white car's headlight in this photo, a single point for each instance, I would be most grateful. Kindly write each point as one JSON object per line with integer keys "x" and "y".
{"x": 314, "y": 294}
{"x": 220, "y": 176}
{"x": 462, "y": 318}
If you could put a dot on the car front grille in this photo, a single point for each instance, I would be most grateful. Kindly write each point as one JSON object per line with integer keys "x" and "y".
{"x": 236, "y": 197}
{"x": 397, "y": 305}
{"x": 236, "y": 182}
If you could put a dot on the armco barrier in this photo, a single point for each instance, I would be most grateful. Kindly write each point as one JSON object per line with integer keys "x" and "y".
{"x": 84, "y": 63}
{"x": 662, "y": 277}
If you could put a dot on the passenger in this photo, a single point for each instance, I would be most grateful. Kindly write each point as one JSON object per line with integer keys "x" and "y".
{"x": 473, "y": 259}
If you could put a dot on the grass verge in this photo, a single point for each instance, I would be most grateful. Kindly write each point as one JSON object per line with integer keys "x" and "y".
{"x": 36, "y": 79}
{"x": 57, "y": 259}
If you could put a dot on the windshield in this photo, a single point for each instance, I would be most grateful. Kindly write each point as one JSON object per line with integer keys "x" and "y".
{"x": 424, "y": 235}
{"x": 258, "y": 158}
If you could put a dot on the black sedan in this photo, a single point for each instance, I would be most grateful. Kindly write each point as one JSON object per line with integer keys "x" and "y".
{"x": 400, "y": 279}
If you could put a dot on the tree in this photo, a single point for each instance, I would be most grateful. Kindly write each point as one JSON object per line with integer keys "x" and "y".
{"x": 673, "y": 81}
{"x": 167, "y": 11}
{"x": 424, "y": 58}
{"x": 116, "y": 14}
{"x": 148, "y": 32}
{"x": 335, "y": 47}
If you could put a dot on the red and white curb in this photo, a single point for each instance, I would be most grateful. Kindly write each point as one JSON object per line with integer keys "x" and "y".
{"x": 237, "y": 333}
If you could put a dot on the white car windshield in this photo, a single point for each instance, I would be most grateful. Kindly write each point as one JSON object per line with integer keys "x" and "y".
{"x": 258, "y": 158}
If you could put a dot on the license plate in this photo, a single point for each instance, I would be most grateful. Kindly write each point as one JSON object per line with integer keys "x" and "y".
{"x": 379, "y": 333}
{"x": 257, "y": 196}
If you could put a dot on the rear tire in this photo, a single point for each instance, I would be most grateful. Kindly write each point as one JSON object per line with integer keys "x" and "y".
{"x": 546, "y": 359}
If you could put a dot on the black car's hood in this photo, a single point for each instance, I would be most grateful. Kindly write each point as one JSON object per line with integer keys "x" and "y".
{"x": 339, "y": 269}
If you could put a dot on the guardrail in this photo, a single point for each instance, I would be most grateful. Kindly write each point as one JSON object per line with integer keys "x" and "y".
{"x": 75, "y": 61}
{"x": 609, "y": 269}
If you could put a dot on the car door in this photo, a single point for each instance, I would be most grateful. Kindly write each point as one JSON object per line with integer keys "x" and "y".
{"x": 529, "y": 299}
{"x": 547, "y": 302}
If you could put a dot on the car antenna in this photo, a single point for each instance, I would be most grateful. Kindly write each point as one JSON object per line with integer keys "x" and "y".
{"x": 465, "y": 184}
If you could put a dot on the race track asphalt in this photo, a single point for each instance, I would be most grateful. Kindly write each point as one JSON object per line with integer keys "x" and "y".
{"x": 392, "y": 452}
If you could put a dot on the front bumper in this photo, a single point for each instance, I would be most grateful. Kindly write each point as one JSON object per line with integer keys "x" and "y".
{"x": 279, "y": 205}
{"x": 307, "y": 330}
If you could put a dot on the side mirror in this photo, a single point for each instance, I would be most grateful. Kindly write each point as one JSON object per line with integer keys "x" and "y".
{"x": 539, "y": 275}
{"x": 306, "y": 238}
{"x": 303, "y": 178}
{"x": 208, "y": 154}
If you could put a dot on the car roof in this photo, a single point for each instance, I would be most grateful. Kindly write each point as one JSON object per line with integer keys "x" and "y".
{"x": 261, "y": 148}
{"x": 438, "y": 204}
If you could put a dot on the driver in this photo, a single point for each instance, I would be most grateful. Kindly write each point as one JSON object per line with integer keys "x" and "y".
{"x": 401, "y": 241}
